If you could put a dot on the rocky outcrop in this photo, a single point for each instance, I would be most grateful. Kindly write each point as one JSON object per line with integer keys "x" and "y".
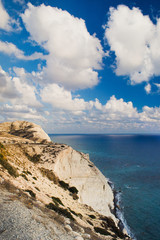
{"x": 25, "y": 130}
{"x": 60, "y": 178}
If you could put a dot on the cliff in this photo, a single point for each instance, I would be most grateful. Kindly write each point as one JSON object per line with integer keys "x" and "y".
{"x": 57, "y": 181}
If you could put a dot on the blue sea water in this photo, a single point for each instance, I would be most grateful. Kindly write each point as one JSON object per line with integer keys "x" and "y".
{"x": 132, "y": 163}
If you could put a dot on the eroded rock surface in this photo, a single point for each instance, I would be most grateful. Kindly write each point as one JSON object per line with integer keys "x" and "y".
{"x": 25, "y": 130}
{"x": 58, "y": 178}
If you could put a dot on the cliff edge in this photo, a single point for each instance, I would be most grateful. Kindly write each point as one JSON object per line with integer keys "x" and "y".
{"x": 58, "y": 181}
{"x": 25, "y": 130}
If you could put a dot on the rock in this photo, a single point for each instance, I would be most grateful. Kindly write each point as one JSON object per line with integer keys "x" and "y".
{"x": 93, "y": 189}
{"x": 68, "y": 228}
{"x": 75, "y": 234}
{"x": 1, "y": 180}
{"x": 67, "y": 221}
{"x": 25, "y": 130}
{"x": 79, "y": 238}
{"x": 86, "y": 236}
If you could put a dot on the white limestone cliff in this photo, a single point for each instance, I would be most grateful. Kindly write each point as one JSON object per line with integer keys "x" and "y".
{"x": 76, "y": 169}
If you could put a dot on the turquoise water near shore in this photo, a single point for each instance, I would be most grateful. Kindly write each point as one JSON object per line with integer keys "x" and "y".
{"x": 132, "y": 163}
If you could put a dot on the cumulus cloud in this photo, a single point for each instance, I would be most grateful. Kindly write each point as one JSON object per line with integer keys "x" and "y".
{"x": 6, "y": 22}
{"x": 8, "y": 90}
{"x": 11, "y": 50}
{"x": 116, "y": 115}
{"x": 150, "y": 114}
{"x": 74, "y": 54}
{"x": 17, "y": 91}
{"x": 21, "y": 112}
{"x": 5, "y": 19}
{"x": 134, "y": 39}
{"x": 62, "y": 99}
{"x": 118, "y": 109}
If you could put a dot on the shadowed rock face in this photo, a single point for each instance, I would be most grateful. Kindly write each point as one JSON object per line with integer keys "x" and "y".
{"x": 25, "y": 130}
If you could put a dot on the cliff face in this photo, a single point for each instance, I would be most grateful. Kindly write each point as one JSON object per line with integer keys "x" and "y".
{"x": 94, "y": 190}
{"x": 58, "y": 177}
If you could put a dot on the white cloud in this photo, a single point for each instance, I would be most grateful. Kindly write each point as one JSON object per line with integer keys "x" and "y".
{"x": 150, "y": 114}
{"x": 11, "y": 49}
{"x": 27, "y": 92}
{"x": 119, "y": 109}
{"x": 17, "y": 91}
{"x": 5, "y": 19}
{"x": 135, "y": 40}
{"x": 6, "y": 22}
{"x": 8, "y": 90}
{"x": 20, "y": 112}
{"x": 73, "y": 53}
{"x": 62, "y": 99}
{"x": 148, "y": 88}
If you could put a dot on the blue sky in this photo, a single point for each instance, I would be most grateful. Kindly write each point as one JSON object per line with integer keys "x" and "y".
{"x": 90, "y": 66}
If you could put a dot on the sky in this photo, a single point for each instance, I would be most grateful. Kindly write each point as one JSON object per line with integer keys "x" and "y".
{"x": 89, "y": 66}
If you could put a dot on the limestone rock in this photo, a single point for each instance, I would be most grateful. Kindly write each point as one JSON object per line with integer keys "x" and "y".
{"x": 25, "y": 130}
{"x": 94, "y": 190}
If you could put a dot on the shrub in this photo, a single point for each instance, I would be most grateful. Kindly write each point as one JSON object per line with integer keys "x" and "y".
{"x": 35, "y": 158}
{"x": 60, "y": 210}
{"x": 112, "y": 225}
{"x": 34, "y": 178}
{"x": 57, "y": 201}
{"x": 64, "y": 185}
{"x": 73, "y": 190}
{"x": 11, "y": 170}
{"x": 75, "y": 196}
{"x": 2, "y": 146}
{"x": 101, "y": 231}
{"x": 50, "y": 175}
{"x": 31, "y": 193}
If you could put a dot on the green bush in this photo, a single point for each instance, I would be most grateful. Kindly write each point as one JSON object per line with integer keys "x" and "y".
{"x": 11, "y": 170}
{"x": 60, "y": 210}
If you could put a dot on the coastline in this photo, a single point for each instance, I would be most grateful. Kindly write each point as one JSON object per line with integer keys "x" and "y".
{"x": 118, "y": 212}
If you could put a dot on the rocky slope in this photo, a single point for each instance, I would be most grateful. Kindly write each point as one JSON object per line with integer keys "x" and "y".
{"x": 55, "y": 182}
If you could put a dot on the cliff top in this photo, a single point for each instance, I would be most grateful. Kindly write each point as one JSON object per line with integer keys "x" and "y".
{"x": 25, "y": 130}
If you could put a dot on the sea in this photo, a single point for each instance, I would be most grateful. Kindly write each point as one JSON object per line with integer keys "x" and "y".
{"x": 132, "y": 164}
